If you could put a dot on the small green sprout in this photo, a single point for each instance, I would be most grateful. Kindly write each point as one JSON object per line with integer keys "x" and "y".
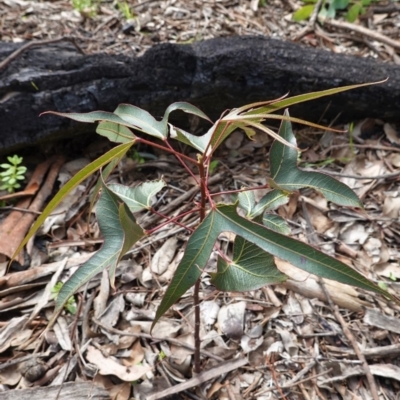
{"x": 213, "y": 166}
{"x": 70, "y": 305}
{"x": 124, "y": 8}
{"x": 161, "y": 355}
{"x": 86, "y": 7}
{"x": 13, "y": 172}
{"x": 330, "y": 9}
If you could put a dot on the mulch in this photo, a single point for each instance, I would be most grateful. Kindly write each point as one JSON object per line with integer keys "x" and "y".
{"x": 305, "y": 338}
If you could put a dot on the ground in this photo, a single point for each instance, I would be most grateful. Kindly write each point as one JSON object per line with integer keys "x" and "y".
{"x": 282, "y": 341}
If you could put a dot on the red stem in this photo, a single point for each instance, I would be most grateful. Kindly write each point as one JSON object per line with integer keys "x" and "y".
{"x": 169, "y": 220}
{"x": 266, "y": 186}
{"x": 167, "y": 149}
{"x": 178, "y": 156}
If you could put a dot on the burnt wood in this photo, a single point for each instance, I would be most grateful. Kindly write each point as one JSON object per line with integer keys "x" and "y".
{"x": 215, "y": 75}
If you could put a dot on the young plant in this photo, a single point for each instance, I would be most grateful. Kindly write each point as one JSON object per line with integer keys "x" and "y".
{"x": 70, "y": 305}
{"x": 329, "y": 9}
{"x": 124, "y": 8}
{"x": 12, "y": 174}
{"x": 85, "y": 7}
{"x": 260, "y": 235}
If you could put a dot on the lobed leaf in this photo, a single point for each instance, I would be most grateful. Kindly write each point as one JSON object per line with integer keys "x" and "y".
{"x": 141, "y": 120}
{"x": 225, "y": 219}
{"x": 80, "y": 176}
{"x": 250, "y": 269}
{"x": 115, "y": 132}
{"x": 271, "y": 201}
{"x": 287, "y": 176}
{"x": 139, "y": 197}
{"x": 120, "y": 232}
{"x": 247, "y": 202}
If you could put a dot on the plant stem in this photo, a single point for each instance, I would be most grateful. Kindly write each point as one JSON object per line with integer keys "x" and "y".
{"x": 167, "y": 149}
{"x": 196, "y": 299}
{"x": 170, "y": 220}
{"x": 179, "y": 157}
{"x": 197, "y": 342}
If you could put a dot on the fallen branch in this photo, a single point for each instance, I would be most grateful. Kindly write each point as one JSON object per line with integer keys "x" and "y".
{"x": 363, "y": 31}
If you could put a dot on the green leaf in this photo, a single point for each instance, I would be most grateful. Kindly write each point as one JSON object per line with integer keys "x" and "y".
{"x": 250, "y": 269}
{"x": 225, "y": 219}
{"x": 115, "y": 132}
{"x": 7, "y": 173}
{"x": 90, "y": 117}
{"x": 185, "y": 107}
{"x": 303, "y": 13}
{"x": 287, "y": 102}
{"x": 84, "y": 173}
{"x": 110, "y": 210}
{"x": 148, "y": 125}
{"x": 220, "y": 131}
{"x": 271, "y": 201}
{"x": 354, "y": 12}
{"x": 286, "y": 174}
{"x": 247, "y": 202}
{"x": 142, "y": 120}
{"x": 139, "y": 197}
{"x": 276, "y": 223}
{"x": 340, "y": 4}
{"x": 328, "y": 12}
{"x": 21, "y": 170}
{"x": 213, "y": 165}
{"x": 197, "y": 142}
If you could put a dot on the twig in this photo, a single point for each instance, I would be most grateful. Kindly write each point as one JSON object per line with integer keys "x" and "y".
{"x": 363, "y": 31}
{"x": 384, "y": 176}
{"x": 179, "y": 200}
{"x": 352, "y": 340}
{"x": 9, "y": 363}
{"x": 200, "y": 378}
{"x": 311, "y": 23}
{"x": 392, "y": 350}
{"x": 28, "y": 45}
{"x": 150, "y": 337}
{"x": 390, "y": 8}
{"x": 362, "y": 146}
{"x": 293, "y": 384}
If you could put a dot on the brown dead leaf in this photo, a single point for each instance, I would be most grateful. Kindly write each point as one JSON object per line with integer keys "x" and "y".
{"x": 136, "y": 355}
{"x": 109, "y": 366}
{"x": 231, "y": 319}
{"x": 121, "y": 391}
{"x": 391, "y": 133}
{"x": 164, "y": 256}
{"x": 391, "y": 206}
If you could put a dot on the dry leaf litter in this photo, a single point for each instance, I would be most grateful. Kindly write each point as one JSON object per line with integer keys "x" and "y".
{"x": 306, "y": 338}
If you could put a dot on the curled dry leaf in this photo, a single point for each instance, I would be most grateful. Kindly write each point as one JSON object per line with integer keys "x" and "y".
{"x": 164, "y": 256}
{"x": 391, "y": 206}
{"x": 209, "y": 312}
{"x": 231, "y": 319}
{"x": 109, "y": 366}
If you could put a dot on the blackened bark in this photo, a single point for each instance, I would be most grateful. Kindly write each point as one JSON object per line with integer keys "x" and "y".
{"x": 215, "y": 75}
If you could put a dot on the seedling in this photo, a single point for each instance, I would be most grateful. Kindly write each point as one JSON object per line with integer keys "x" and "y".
{"x": 124, "y": 8}
{"x": 12, "y": 174}
{"x": 330, "y": 8}
{"x": 85, "y": 7}
{"x": 70, "y": 305}
{"x": 260, "y": 234}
